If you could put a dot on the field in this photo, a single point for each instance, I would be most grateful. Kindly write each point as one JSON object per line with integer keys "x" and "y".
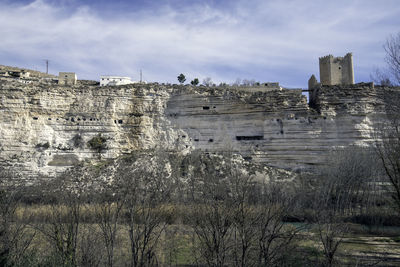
{"x": 178, "y": 243}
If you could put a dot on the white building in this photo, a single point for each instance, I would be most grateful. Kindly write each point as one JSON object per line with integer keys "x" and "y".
{"x": 114, "y": 80}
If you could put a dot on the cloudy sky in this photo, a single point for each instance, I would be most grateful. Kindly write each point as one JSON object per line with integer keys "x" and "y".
{"x": 264, "y": 40}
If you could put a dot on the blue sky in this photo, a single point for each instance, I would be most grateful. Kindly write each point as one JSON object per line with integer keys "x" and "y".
{"x": 225, "y": 40}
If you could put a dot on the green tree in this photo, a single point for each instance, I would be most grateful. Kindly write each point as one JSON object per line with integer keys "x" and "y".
{"x": 195, "y": 82}
{"x": 181, "y": 78}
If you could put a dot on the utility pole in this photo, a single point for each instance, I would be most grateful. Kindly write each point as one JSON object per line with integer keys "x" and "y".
{"x": 140, "y": 75}
{"x": 47, "y": 66}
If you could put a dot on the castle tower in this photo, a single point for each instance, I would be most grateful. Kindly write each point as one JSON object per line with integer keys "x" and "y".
{"x": 336, "y": 70}
{"x": 312, "y": 82}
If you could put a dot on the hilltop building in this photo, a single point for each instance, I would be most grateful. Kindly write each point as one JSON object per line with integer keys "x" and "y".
{"x": 67, "y": 78}
{"x": 15, "y": 73}
{"x": 114, "y": 80}
{"x": 336, "y": 70}
{"x": 21, "y": 76}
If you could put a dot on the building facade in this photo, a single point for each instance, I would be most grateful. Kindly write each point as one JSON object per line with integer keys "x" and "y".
{"x": 336, "y": 70}
{"x": 114, "y": 80}
{"x": 67, "y": 78}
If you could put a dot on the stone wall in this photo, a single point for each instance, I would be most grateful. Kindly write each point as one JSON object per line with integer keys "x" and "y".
{"x": 45, "y": 129}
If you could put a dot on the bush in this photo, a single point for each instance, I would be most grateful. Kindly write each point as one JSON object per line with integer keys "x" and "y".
{"x": 43, "y": 146}
{"x": 375, "y": 219}
{"x": 77, "y": 141}
{"x": 98, "y": 143}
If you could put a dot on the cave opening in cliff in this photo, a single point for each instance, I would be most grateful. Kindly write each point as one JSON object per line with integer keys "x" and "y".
{"x": 249, "y": 137}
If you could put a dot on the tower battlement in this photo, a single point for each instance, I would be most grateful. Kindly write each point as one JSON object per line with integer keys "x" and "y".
{"x": 336, "y": 70}
{"x": 324, "y": 58}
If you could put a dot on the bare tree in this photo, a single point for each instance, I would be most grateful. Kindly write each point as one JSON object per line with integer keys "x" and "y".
{"x": 15, "y": 236}
{"x": 148, "y": 185}
{"x": 388, "y": 142}
{"x": 328, "y": 222}
{"x": 246, "y": 216}
{"x": 390, "y": 75}
{"x": 392, "y": 49}
{"x": 260, "y": 237}
{"x": 109, "y": 212}
{"x": 207, "y": 81}
{"x": 238, "y": 221}
{"x": 381, "y": 77}
{"x": 237, "y": 82}
{"x": 345, "y": 187}
{"x": 388, "y": 150}
{"x": 62, "y": 226}
{"x": 275, "y": 239}
{"x": 90, "y": 246}
{"x": 247, "y": 82}
{"x": 211, "y": 215}
{"x": 352, "y": 174}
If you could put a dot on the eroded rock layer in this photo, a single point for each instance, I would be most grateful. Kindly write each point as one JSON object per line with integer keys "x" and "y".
{"x": 47, "y": 128}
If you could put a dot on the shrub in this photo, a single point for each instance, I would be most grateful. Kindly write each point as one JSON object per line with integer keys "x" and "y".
{"x": 98, "y": 143}
{"x": 43, "y": 146}
{"x": 77, "y": 140}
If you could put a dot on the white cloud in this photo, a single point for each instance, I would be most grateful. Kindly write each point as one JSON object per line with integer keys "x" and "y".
{"x": 276, "y": 40}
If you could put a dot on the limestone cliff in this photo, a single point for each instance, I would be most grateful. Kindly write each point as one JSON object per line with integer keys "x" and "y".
{"x": 46, "y": 128}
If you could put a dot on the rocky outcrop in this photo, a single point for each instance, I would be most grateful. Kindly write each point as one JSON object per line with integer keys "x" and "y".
{"x": 45, "y": 129}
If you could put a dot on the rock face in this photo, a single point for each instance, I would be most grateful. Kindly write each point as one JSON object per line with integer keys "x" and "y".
{"x": 45, "y": 129}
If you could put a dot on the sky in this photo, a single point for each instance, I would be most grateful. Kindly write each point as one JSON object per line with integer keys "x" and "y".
{"x": 265, "y": 40}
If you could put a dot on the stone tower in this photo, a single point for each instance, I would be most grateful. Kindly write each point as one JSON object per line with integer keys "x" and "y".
{"x": 312, "y": 82}
{"x": 336, "y": 70}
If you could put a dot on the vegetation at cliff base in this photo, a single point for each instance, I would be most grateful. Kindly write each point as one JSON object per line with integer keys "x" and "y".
{"x": 157, "y": 208}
